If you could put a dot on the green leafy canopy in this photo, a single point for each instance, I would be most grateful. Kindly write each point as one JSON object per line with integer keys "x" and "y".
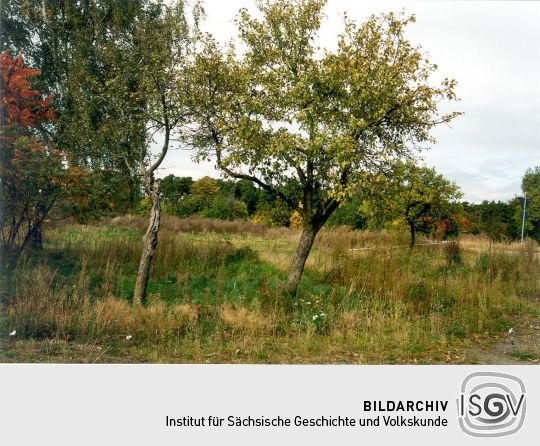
{"x": 283, "y": 110}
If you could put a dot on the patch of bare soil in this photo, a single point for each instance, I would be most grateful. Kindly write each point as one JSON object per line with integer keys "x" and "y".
{"x": 520, "y": 345}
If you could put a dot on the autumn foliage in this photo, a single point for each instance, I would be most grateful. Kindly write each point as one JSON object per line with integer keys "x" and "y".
{"x": 31, "y": 172}
{"x": 21, "y": 106}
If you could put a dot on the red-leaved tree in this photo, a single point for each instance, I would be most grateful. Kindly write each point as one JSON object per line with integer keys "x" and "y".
{"x": 32, "y": 174}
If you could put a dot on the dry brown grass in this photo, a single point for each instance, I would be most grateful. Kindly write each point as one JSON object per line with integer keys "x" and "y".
{"x": 194, "y": 224}
{"x": 109, "y": 318}
{"x": 215, "y": 301}
{"x": 344, "y": 238}
{"x": 484, "y": 243}
{"x": 245, "y": 320}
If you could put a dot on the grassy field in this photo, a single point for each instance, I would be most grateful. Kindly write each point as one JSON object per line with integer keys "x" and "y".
{"x": 216, "y": 297}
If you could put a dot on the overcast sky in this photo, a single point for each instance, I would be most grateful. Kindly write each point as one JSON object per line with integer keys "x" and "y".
{"x": 491, "y": 48}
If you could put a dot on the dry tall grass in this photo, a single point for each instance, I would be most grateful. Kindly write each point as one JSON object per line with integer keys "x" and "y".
{"x": 218, "y": 299}
{"x": 194, "y": 224}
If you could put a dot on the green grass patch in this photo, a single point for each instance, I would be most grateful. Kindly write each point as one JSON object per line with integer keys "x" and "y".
{"x": 524, "y": 356}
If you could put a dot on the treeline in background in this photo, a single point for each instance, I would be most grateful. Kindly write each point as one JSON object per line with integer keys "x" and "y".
{"x": 240, "y": 200}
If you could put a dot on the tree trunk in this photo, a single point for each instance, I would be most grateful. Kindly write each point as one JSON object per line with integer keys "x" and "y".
{"x": 299, "y": 260}
{"x": 36, "y": 237}
{"x": 413, "y": 236}
{"x": 150, "y": 241}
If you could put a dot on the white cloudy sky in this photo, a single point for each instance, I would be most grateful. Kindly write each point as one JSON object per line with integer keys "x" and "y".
{"x": 491, "y": 48}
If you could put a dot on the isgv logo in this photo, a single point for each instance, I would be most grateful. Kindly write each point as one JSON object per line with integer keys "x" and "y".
{"x": 491, "y": 404}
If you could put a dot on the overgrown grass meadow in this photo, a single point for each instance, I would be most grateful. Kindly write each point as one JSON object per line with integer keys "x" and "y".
{"x": 216, "y": 296}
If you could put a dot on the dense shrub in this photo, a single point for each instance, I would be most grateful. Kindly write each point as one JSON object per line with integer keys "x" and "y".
{"x": 226, "y": 208}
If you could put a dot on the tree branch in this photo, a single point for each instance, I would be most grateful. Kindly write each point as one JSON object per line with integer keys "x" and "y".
{"x": 241, "y": 176}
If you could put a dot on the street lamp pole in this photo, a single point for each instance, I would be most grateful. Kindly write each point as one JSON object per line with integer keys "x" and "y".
{"x": 523, "y": 218}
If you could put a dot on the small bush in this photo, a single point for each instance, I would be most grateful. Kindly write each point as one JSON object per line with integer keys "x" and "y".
{"x": 245, "y": 253}
{"x": 452, "y": 251}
